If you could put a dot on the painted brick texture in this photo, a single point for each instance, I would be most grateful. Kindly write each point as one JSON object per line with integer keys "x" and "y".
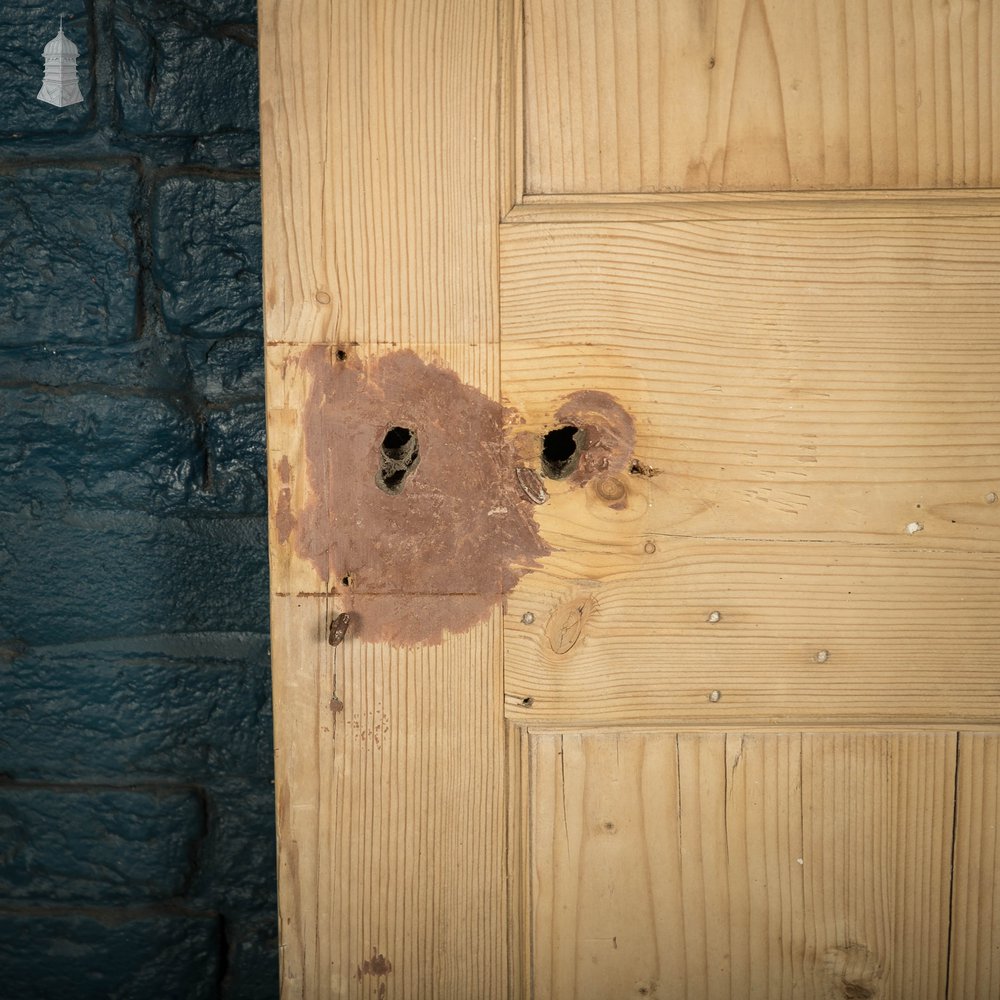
{"x": 136, "y": 779}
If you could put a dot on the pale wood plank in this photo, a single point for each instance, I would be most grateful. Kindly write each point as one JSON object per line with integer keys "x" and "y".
{"x": 381, "y": 187}
{"x": 706, "y": 866}
{"x": 806, "y": 633}
{"x": 391, "y": 829}
{"x": 511, "y": 107}
{"x": 693, "y": 206}
{"x": 975, "y": 924}
{"x": 519, "y": 799}
{"x": 380, "y": 171}
{"x": 820, "y": 401}
{"x": 755, "y": 95}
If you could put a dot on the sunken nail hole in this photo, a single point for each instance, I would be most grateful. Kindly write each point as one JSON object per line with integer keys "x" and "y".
{"x": 561, "y": 451}
{"x": 341, "y": 355}
{"x": 399, "y": 457}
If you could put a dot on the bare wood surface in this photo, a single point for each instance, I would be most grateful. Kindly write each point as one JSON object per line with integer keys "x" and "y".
{"x": 816, "y": 406}
{"x": 765, "y": 206}
{"x": 380, "y": 171}
{"x": 389, "y": 828}
{"x": 975, "y": 924}
{"x": 707, "y": 866}
{"x": 754, "y": 95}
{"x": 519, "y": 876}
{"x": 381, "y": 198}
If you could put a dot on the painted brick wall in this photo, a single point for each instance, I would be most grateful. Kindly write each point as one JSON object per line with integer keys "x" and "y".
{"x": 136, "y": 828}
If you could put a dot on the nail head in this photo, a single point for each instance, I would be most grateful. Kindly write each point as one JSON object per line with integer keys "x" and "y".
{"x": 715, "y": 696}
{"x": 527, "y": 618}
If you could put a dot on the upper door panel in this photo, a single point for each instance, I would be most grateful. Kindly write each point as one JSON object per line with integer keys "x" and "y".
{"x": 760, "y": 95}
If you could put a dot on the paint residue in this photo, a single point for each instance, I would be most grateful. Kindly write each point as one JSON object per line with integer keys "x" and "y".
{"x": 284, "y": 520}
{"x": 609, "y": 434}
{"x": 438, "y": 555}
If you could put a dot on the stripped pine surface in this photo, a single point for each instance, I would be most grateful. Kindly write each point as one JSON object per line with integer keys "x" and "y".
{"x": 380, "y": 171}
{"x": 380, "y": 203}
{"x": 699, "y": 866}
{"x": 760, "y": 95}
{"x": 817, "y": 416}
{"x": 975, "y": 921}
{"x": 808, "y": 537}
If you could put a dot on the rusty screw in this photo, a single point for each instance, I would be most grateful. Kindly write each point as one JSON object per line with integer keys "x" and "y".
{"x": 338, "y": 629}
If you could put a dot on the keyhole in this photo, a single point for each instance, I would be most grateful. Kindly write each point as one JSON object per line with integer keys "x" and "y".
{"x": 400, "y": 454}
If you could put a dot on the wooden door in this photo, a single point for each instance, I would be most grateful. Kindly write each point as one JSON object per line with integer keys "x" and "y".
{"x": 633, "y": 378}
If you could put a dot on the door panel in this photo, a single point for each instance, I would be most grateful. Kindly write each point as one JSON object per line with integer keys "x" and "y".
{"x": 759, "y": 95}
{"x": 715, "y": 865}
{"x": 806, "y": 524}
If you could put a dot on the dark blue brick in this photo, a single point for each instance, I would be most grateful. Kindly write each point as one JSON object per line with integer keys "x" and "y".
{"x": 186, "y": 68}
{"x": 96, "y": 448}
{"x": 238, "y": 856}
{"x": 94, "y": 574}
{"x": 26, "y": 26}
{"x": 253, "y": 960}
{"x": 230, "y": 150}
{"x": 235, "y": 440}
{"x": 206, "y": 235}
{"x": 192, "y": 708}
{"x": 96, "y": 845}
{"x": 90, "y": 955}
{"x": 228, "y": 367}
{"x": 68, "y": 270}
{"x": 158, "y": 364}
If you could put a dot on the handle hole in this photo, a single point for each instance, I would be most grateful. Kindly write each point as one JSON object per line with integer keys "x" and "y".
{"x": 561, "y": 450}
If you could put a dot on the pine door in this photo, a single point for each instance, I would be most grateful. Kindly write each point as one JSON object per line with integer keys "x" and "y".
{"x": 633, "y": 377}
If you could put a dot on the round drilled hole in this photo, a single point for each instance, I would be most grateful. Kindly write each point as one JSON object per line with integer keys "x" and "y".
{"x": 561, "y": 450}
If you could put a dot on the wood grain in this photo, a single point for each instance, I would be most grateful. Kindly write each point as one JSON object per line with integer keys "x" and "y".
{"x": 380, "y": 199}
{"x": 389, "y": 828}
{"x": 819, "y": 404}
{"x": 975, "y": 924}
{"x": 519, "y": 806}
{"x": 380, "y": 171}
{"x": 805, "y": 634}
{"x": 760, "y": 95}
{"x": 764, "y": 206}
{"x": 707, "y": 866}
